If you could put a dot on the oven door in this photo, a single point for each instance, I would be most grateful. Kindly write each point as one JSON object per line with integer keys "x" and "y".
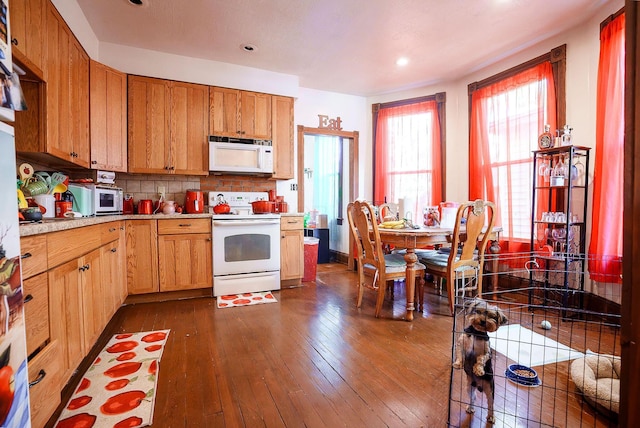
{"x": 246, "y": 246}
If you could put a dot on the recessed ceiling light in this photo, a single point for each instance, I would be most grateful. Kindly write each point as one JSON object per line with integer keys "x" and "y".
{"x": 141, "y": 3}
{"x": 402, "y": 61}
{"x": 248, "y": 47}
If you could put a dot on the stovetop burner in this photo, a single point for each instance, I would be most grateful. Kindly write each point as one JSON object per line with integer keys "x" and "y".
{"x": 240, "y": 204}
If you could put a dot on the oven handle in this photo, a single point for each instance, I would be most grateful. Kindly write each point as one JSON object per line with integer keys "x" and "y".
{"x": 235, "y": 223}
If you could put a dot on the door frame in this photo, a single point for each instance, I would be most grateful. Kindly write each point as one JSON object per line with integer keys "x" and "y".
{"x": 353, "y": 159}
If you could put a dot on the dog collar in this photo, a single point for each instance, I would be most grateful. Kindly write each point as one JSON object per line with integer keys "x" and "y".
{"x": 479, "y": 334}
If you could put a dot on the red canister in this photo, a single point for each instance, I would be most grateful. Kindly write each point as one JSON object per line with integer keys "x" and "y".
{"x": 127, "y": 204}
{"x": 63, "y": 207}
{"x": 145, "y": 206}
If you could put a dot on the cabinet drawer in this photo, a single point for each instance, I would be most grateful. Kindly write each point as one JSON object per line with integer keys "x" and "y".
{"x": 291, "y": 223}
{"x": 34, "y": 255}
{"x": 70, "y": 244}
{"x": 44, "y": 384}
{"x": 109, "y": 232}
{"x": 187, "y": 225}
{"x": 36, "y": 311}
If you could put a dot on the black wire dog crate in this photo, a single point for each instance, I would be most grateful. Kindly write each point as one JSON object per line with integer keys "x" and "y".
{"x": 559, "y": 342}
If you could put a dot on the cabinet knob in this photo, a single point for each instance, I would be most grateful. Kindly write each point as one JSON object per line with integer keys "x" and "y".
{"x": 26, "y": 255}
{"x": 94, "y": 162}
{"x": 185, "y": 225}
{"x": 28, "y": 298}
{"x": 14, "y": 41}
{"x": 113, "y": 250}
{"x": 112, "y": 229}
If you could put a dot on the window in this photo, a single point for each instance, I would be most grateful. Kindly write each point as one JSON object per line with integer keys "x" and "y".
{"x": 408, "y": 160}
{"x": 508, "y": 113}
{"x": 605, "y": 247}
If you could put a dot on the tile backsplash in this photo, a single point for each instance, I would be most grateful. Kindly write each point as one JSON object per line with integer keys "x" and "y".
{"x": 145, "y": 186}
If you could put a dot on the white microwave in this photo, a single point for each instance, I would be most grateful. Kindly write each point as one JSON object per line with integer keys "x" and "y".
{"x": 240, "y": 155}
{"x": 96, "y": 199}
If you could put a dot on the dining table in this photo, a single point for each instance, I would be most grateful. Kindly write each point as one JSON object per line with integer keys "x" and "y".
{"x": 411, "y": 239}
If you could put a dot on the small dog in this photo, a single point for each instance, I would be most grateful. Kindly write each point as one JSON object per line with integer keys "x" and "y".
{"x": 473, "y": 352}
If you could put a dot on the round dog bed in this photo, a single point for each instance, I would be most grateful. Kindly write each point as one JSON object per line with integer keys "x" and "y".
{"x": 597, "y": 377}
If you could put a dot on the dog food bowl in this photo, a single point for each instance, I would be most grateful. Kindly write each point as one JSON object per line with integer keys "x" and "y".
{"x": 522, "y": 375}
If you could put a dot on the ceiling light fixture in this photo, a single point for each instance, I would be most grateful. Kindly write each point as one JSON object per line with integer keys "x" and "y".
{"x": 401, "y": 62}
{"x": 248, "y": 47}
{"x": 144, "y": 3}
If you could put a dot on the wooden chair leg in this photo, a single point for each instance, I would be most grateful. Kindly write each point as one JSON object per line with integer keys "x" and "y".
{"x": 451, "y": 292}
{"x": 380, "y": 300}
{"x": 420, "y": 291}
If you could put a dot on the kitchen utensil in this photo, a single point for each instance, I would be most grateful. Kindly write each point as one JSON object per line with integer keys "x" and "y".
{"x": 262, "y": 207}
{"x": 31, "y": 214}
{"x": 127, "y": 204}
{"x": 194, "y": 201}
{"x": 35, "y": 186}
{"x": 221, "y": 206}
{"x": 145, "y": 206}
{"x": 49, "y": 204}
{"x": 169, "y": 207}
{"x": 26, "y": 172}
{"x": 56, "y": 179}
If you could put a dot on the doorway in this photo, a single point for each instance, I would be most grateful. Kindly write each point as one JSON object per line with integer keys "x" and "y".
{"x": 327, "y": 179}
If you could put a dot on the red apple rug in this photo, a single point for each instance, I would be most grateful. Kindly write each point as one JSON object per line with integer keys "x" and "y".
{"x": 118, "y": 390}
{"x": 245, "y": 299}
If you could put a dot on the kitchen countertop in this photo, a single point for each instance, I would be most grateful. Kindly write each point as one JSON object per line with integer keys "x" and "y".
{"x": 57, "y": 224}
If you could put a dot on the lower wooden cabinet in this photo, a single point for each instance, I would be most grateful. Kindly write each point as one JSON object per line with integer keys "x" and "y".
{"x": 291, "y": 250}
{"x": 36, "y": 311}
{"x": 185, "y": 259}
{"x": 142, "y": 256}
{"x": 45, "y": 381}
{"x": 169, "y": 255}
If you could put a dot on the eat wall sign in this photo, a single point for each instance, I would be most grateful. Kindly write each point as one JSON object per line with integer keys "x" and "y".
{"x": 325, "y": 122}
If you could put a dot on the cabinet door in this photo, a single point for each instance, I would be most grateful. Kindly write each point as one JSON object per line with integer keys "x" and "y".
{"x": 93, "y": 297}
{"x": 189, "y": 129}
{"x": 255, "y": 115}
{"x": 65, "y": 309}
{"x": 142, "y": 256}
{"x": 36, "y": 311}
{"x": 108, "y": 117}
{"x": 58, "y": 75}
{"x": 282, "y": 136}
{"x": 78, "y": 87}
{"x": 27, "y": 31}
{"x": 291, "y": 254}
{"x": 223, "y": 114}
{"x": 148, "y": 125}
{"x": 185, "y": 261}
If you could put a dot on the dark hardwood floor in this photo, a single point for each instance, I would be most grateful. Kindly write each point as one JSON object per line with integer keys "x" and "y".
{"x": 314, "y": 360}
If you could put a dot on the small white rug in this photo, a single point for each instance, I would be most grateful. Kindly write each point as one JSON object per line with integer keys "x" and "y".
{"x": 529, "y": 348}
{"x": 245, "y": 299}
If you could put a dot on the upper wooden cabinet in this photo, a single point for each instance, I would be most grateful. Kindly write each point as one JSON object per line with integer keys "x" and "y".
{"x": 27, "y": 32}
{"x": 67, "y": 93}
{"x": 235, "y": 113}
{"x": 108, "y": 117}
{"x": 168, "y": 126}
{"x": 282, "y": 136}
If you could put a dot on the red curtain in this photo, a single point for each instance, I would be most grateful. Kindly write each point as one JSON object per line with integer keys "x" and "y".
{"x": 390, "y": 136}
{"x": 605, "y": 248}
{"x": 501, "y": 138}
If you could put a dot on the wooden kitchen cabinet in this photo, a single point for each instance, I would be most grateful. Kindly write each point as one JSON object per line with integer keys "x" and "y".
{"x": 108, "y": 117}
{"x": 45, "y": 371}
{"x": 184, "y": 254}
{"x": 282, "y": 137}
{"x": 167, "y": 127}
{"x": 142, "y": 256}
{"x": 27, "y": 32}
{"x": 67, "y": 93}
{"x": 236, "y": 113}
{"x": 113, "y": 255}
{"x": 291, "y": 250}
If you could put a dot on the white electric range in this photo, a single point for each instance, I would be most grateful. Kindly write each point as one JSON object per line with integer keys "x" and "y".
{"x": 246, "y": 246}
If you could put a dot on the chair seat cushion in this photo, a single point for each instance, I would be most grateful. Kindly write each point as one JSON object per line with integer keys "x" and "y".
{"x": 440, "y": 261}
{"x": 395, "y": 263}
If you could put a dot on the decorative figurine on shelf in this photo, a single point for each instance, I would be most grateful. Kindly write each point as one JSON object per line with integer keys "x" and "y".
{"x": 545, "y": 140}
{"x": 566, "y": 136}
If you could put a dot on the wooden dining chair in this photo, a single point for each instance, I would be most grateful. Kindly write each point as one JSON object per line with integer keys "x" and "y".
{"x": 371, "y": 260}
{"x": 462, "y": 265}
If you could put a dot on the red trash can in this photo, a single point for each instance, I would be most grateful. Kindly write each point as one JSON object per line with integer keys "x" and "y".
{"x": 310, "y": 258}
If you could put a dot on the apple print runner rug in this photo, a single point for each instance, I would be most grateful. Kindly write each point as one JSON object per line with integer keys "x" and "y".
{"x": 245, "y": 299}
{"x": 118, "y": 390}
